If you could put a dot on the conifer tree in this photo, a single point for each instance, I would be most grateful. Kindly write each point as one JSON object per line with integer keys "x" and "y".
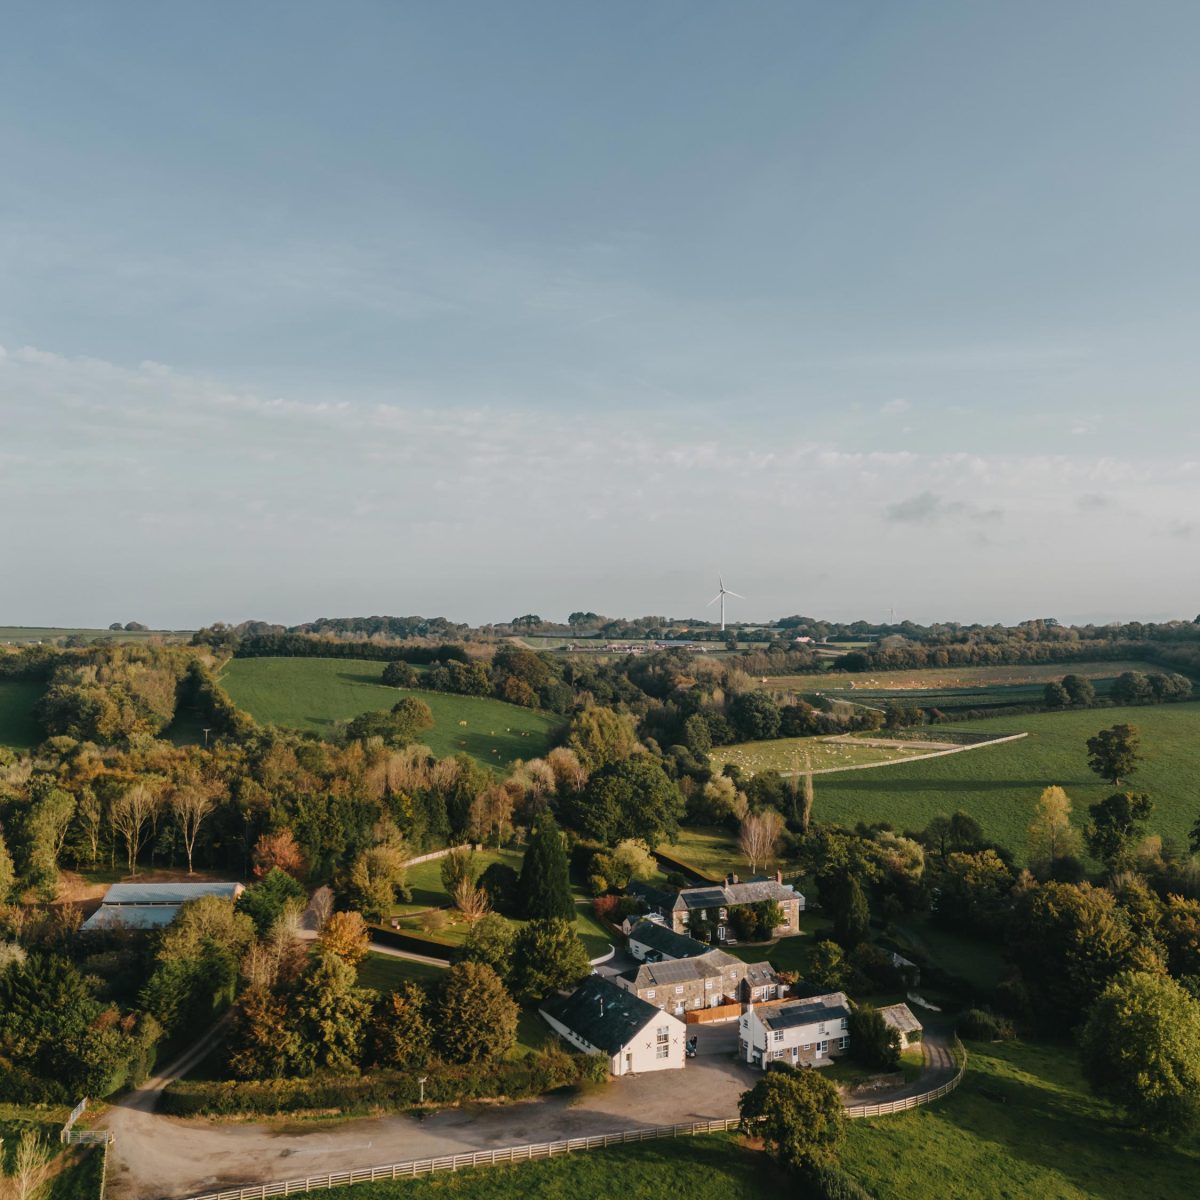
{"x": 545, "y": 880}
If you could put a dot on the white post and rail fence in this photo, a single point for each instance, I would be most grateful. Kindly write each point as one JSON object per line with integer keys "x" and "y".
{"x": 542, "y": 1150}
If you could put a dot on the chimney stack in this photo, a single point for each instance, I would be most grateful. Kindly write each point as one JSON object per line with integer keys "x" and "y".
{"x": 778, "y": 876}
{"x": 735, "y": 877}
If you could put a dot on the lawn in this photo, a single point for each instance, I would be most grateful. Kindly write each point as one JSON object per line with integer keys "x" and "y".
{"x": 786, "y": 953}
{"x": 999, "y": 785}
{"x": 425, "y": 880}
{"x": 18, "y": 729}
{"x": 319, "y": 694}
{"x": 702, "y": 1168}
{"x": 1022, "y": 1124}
{"x": 386, "y": 973}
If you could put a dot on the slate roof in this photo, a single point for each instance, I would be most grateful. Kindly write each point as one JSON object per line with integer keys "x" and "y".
{"x": 666, "y": 941}
{"x": 602, "y": 1014}
{"x": 715, "y": 964}
{"x": 167, "y": 893}
{"x": 730, "y": 894}
{"x": 901, "y": 1017}
{"x": 791, "y": 1013}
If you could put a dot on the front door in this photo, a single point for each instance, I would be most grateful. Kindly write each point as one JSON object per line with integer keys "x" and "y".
{"x": 628, "y": 1062}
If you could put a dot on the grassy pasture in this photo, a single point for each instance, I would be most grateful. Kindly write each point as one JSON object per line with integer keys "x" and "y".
{"x": 789, "y": 754}
{"x": 701, "y": 1168}
{"x": 317, "y": 694}
{"x": 1022, "y": 1123}
{"x": 21, "y": 635}
{"x": 18, "y": 729}
{"x": 998, "y": 785}
{"x": 386, "y": 972}
{"x": 939, "y": 678}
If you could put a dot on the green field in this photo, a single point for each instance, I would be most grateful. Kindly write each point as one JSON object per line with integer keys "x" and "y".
{"x": 1023, "y": 1124}
{"x": 18, "y": 729}
{"x": 939, "y": 678}
{"x": 702, "y": 1168}
{"x": 998, "y": 785}
{"x": 817, "y": 753}
{"x": 386, "y": 972}
{"x": 24, "y": 635}
{"x": 317, "y": 694}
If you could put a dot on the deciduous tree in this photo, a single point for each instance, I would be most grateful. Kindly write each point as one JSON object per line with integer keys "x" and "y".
{"x": 798, "y": 1115}
{"x": 548, "y": 956}
{"x": 491, "y": 940}
{"x": 1116, "y": 823}
{"x": 1141, "y": 1050}
{"x": 1114, "y": 753}
{"x": 758, "y": 837}
{"x": 278, "y": 849}
{"x": 192, "y": 804}
{"x": 1051, "y": 834}
{"x": 346, "y": 935}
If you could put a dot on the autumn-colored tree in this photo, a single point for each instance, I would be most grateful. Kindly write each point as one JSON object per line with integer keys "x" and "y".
{"x": 278, "y": 849}
{"x": 347, "y": 936}
{"x": 130, "y": 815}
{"x": 402, "y": 1028}
{"x": 471, "y": 900}
{"x": 264, "y": 1044}
{"x": 1051, "y": 834}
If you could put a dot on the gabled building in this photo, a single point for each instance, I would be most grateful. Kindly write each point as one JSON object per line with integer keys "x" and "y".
{"x": 707, "y": 981}
{"x": 802, "y": 1033}
{"x": 652, "y": 941}
{"x": 600, "y": 1018}
{"x": 713, "y": 903}
{"x": 902, "y": 1019}
{"x": 153, "y": 905}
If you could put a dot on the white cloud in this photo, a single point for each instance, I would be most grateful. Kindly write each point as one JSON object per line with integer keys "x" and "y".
{"x": 893, "y": 407}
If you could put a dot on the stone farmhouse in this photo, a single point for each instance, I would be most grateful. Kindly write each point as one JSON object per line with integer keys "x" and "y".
{"x": 706, "y": 981}
{"x": 600, "y": 1018}
{"x": 801, "y": 1033}
{"x": 713, "y": 903}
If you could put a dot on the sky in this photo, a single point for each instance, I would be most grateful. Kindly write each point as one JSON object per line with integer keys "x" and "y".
{"x": 478, "y": 309}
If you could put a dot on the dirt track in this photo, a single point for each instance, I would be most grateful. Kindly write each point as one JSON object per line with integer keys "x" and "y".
{"x": 156, "y": 1157}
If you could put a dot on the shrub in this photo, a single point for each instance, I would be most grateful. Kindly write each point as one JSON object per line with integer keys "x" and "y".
{"x": 985, "y": 1026}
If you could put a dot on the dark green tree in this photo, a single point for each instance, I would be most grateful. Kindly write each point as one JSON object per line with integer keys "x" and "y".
{"x": 399, "y": 674}
{"x": 754, "y": 715}
{"x": 798, "y": 1115}
{"x": 330, "y": 1014}
{"x": 545, "y": 875}
{"x": 632, "y": 799}
{"x": 1115, "y": 823}
{"x": 873, "y": 1042}
{"x": 263, "y": 902}
{"x": 1080, "y": 690}
{"x": 401, "y": 1033}
{"x": 851, "y": 916}
{"x": 476, "y": 1018}
{"x": 1115, "y": 753}
{"x": 1054, "y": 695}
{"x": 548, "y": 957}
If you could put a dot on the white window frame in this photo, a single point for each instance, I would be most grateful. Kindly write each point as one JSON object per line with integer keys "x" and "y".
{"x": 843, "y": 1042}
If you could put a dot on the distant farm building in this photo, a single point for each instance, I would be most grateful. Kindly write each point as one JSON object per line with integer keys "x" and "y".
{"x": 153, "y": 905}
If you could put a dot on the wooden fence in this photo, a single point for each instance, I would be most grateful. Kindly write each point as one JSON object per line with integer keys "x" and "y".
{"x": 719, "y": 1012}
{"x": 542, "y": 1150}
{"x": 909, "y": 1102}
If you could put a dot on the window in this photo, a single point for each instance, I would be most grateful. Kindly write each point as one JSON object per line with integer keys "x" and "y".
{"x": 843, "y": 1043}
{"x": 708, "y": 984}
{"x": 650, "y": 994}
{"x": 821, "y": 1027}
{"x": 679, "y": 990}
{"x": 720, "y": 933}
{"x": 777, "y": 1035}
{"x": 662, "y": 1052}
{"x": 844, "y": 1024}
{"x": 787, "y": 919}
{"x": 822, "y": 1047}
{"x": 683, "y": 918}
{"x": 722, "y": 913}
{"x": 777, "y": 1053}
{"x": 663, "y": 1034}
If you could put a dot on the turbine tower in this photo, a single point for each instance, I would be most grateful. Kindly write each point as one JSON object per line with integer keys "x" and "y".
{"x": 721, "y": 596}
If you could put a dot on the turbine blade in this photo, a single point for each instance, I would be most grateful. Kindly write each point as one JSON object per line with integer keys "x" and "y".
{"x": 713, "y": 600}
{"x": 737, "y": 594}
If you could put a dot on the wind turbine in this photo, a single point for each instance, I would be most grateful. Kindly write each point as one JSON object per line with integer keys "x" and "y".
{"x": 721, "y": 596}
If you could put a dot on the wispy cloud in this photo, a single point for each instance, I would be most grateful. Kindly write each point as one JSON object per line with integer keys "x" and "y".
{"x": 927, "y": 507}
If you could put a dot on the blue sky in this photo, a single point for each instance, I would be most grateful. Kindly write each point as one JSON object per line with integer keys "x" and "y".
{"x": 480, "y": 309}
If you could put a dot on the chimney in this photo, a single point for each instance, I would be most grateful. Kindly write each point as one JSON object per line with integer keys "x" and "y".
{"x": 778, "y": 876}
{"x": 735, "y": 877}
